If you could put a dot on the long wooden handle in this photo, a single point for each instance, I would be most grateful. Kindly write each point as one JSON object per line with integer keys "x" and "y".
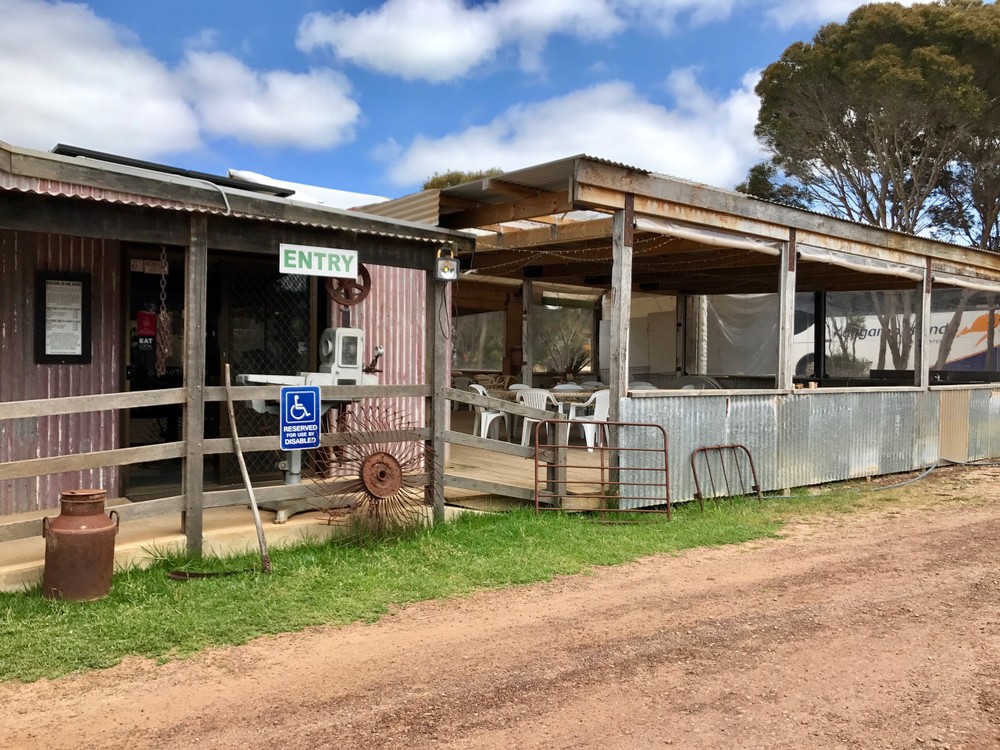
{"x": 265, "y": 558}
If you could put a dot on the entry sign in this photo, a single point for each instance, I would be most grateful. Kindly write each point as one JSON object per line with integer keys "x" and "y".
{"x": 318, "y": 261}
{"x": 300, "y": 407}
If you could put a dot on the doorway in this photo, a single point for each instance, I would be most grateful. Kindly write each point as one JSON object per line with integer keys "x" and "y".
{"x": 258, "y": 320}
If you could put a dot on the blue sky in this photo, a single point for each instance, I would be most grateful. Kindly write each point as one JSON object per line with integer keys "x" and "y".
{"x": 373, "y": 97}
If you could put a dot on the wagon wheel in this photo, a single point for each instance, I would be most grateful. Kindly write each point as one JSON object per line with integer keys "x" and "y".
{"x": 350, "y": 292}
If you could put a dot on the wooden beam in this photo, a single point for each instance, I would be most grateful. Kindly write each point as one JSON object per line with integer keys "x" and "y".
{"x": 786, "y": 313}
{"x": 922, "y": 336}
{"x": 527, "y": 327}
{"x": 812, "y": 228}
{"x": 495, "y": 446}
{"x": 561, "y": 232}
{"x": 489, "y": 488}
{"x": 436, "y": 330}
{"x": 195, "y": 325}
{"x": 526, "y": 208}
{"x": 621, "y": 307}
{"x": 496, "y": 185}
{"x": 37, "y": 467}
{"x": 50, "y": 407}
{"x": 85, "y": 218}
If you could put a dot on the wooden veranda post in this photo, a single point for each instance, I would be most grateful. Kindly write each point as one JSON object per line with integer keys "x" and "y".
{"x": 621, "y": 304}
{"x": 527, "y": 357}
{"x": 195, "y": 316}
{"x": 435, "y": 368}
{"x": 922, "y": 336}
{"x": 786, "y": 312}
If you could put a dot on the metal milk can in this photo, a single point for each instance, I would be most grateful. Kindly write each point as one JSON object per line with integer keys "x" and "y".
{"x": 79, "y": 547}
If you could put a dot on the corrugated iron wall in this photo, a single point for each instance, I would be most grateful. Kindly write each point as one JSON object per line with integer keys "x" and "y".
{"x": 796, "y": 439}
{"x": 984, "y": 423}
{"x": 954, "y": 408}
{"x": 21, "y": 255}
{"x": 393, "y": 315}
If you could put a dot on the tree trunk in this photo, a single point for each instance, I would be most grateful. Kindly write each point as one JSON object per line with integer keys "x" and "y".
{"x": 951, "y": 330}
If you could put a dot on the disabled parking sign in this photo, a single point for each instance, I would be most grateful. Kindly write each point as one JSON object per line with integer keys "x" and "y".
{"x": 300, "y": 412}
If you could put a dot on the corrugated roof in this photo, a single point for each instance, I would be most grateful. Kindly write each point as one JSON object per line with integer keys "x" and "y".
{"x": 421, "y": 207}
{"x": 30, "y": 171}
{"x": 550, "y": 177}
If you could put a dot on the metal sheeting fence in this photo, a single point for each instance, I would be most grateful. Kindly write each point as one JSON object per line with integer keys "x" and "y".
{"x": 796, "y": 439}
{"x": 984, "y": 423}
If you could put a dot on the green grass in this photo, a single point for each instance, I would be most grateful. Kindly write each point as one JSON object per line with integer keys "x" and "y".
{"x": 147, "y": 614}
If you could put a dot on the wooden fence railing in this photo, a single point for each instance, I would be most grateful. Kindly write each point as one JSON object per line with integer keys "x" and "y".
{"x": 18, "y": 529}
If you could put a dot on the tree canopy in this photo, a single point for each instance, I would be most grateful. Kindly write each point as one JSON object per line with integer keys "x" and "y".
{"x": 890, "y": 119}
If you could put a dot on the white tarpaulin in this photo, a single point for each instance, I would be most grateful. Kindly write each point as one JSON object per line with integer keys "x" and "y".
{"x": 858, "y": 262}
{"x": 966, "y": 282}
{"x": 742, "y": 334}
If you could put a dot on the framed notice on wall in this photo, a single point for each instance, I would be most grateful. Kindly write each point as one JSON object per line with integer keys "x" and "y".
{"x": 62, "y": 318}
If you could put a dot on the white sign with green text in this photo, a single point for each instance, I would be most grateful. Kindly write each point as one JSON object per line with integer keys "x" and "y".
{"x": 318, "y": 261}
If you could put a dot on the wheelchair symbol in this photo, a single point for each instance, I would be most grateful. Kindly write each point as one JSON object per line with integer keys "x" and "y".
{"x": 297, "y": 411}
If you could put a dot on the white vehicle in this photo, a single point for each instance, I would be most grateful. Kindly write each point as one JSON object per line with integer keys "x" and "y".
{"x": 858, "y": 348}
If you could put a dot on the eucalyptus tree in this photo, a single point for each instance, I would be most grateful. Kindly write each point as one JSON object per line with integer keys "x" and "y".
{"x": 891, "y": 119}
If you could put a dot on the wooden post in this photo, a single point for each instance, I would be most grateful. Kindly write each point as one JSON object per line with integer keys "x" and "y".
{"x": 682, "y": 333}
{"x": 922, "y": 336}
{"x": 195, "y": 312}
{"x": 555, "y": 471}
{"x": 513, "y": 336}
{"x": 527, "y": 356}
{"x": 438, "y": 324}
{"x": 702, "y": 335}
{"x": 786, "y": 312}
{"x": 819, "y": 335}
{"x": 991, "y": 352}
{"x": 621, "y": 304}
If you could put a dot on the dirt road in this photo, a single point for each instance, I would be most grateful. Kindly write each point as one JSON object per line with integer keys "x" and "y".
{"x": 875, "y": 630}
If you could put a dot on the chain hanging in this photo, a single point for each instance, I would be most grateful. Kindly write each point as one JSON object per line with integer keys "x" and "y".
{"x": 163, "y": 322}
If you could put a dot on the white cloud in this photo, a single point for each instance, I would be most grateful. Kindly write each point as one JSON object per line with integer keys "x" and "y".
{"x": 438, "y": 40}
{"x": 68, "y": 76}
{"x": 788, "y": 13}
{"x": 665, "y": 14}
{"x": 441, "y": 40}
{"x": 703, "y": 138}
{"x": 276, "y": 108}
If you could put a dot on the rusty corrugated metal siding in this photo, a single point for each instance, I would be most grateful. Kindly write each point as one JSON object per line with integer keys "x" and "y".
{"x": 393, "y": 316}
{"x": 797, "y": 439}
{"x": 21, "y": 255}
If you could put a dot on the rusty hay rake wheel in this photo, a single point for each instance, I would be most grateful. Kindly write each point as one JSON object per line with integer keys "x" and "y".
{"x": 378, "y": 476}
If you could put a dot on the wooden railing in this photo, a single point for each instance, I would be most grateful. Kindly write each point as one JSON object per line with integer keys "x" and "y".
{"x": 19, "y": 529}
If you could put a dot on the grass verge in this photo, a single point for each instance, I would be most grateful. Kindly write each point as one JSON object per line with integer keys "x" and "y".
{"x": 149, "y": 615}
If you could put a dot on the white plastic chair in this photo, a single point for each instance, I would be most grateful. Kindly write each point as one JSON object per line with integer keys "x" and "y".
{"x": 601, "y": 402}
{"x": 536, "y": 398}
{"x": 485, "y": 417}
{"x": 516, "y": 421}
{"x": 593, "y": 384}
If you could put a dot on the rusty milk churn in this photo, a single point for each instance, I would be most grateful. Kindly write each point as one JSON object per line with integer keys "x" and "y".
{"x": 79, "y": 547}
